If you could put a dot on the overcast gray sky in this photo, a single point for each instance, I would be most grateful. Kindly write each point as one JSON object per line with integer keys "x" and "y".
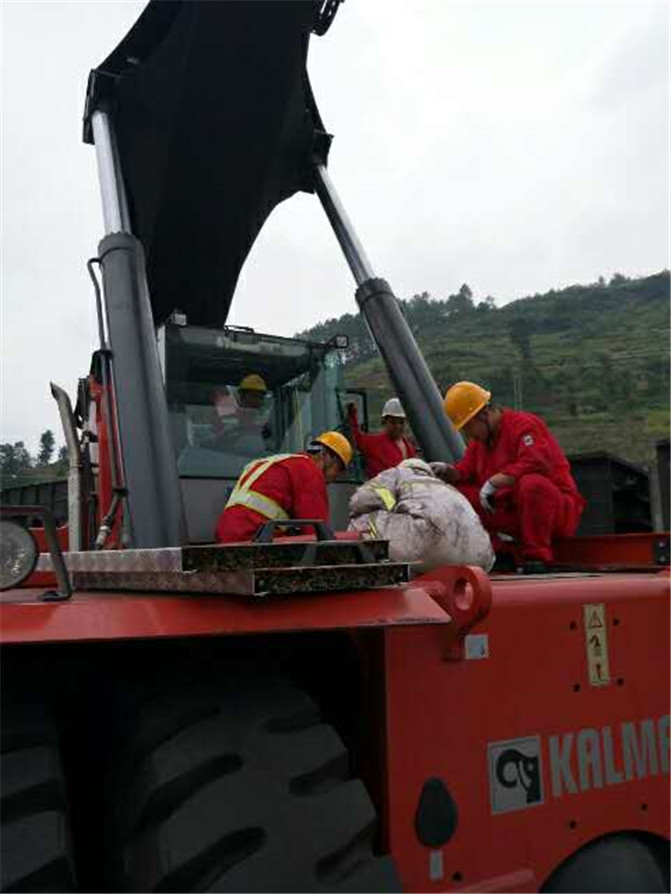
{"x": 514, "y": 146}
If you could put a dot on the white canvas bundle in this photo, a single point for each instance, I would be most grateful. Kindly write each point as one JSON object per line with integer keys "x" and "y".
{"x": 424, "y": 519}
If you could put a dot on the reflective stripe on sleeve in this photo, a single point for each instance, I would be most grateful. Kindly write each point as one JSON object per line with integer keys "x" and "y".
{"x": 386, "y": 496}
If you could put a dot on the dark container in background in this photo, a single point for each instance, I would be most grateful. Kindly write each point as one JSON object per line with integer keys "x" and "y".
{"x": 52, "y": 494}
{"x": 617, "y": 494}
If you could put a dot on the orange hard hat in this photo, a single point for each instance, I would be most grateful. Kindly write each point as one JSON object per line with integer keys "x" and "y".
{"x": 338, "y": 444}
{"x": 463, "y": 401}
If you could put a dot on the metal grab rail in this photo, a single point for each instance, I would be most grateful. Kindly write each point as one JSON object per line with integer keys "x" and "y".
{"x": 64, "y": 591}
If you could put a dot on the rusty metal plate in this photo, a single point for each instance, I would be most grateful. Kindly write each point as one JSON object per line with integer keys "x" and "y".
{"x": 251, "y": 582}
{"x": 334, "y": 578}
{"x": 245, "y": 569}
{"x": 232, "y": 557}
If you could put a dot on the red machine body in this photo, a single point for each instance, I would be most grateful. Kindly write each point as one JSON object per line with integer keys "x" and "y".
{"x": 501, "y": 725}
{"x": 567, "y": 671}
{"x": 526, "y": 683}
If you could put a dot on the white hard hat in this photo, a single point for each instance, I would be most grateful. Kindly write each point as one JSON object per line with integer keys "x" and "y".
{"x": 393, "y": 408}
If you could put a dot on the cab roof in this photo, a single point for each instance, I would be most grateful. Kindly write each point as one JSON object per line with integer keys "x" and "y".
{"x": 215, "y": 124}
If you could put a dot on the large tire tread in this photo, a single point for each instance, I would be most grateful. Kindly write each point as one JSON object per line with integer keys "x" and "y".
{"x": 241, "y": 787}
{"x": 35, "y": 837}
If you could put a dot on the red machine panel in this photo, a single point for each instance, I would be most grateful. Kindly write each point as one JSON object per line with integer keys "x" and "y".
{"x": 549, "y": 729}
{"x": 103, "y": 616}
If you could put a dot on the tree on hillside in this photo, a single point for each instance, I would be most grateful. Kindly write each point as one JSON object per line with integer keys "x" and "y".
{"x": 14, "y": 459}
{"x": 606, "y": 377}
{"x": 361, "y": 345}
{"x": 460, "y": 303}
{"x": 424, "y": 313}
{"x": 60, "y": 466}
{"x": 488, "y": 304}
{"x": 656, "y": 375}
{"x": 7, "y": 460}
{"x": 617, "y": 279}
{"x": 47, "y": 445}
{"x": 519, "y": 332}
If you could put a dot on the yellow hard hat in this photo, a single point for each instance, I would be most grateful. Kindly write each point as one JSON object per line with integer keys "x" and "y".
{"x": 253, "y": 382}
{"x": 463, "y": 401}
{"x": 338, "y": 444}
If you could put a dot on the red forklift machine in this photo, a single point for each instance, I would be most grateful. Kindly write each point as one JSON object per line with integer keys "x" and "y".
{"x": 294, "y": 714}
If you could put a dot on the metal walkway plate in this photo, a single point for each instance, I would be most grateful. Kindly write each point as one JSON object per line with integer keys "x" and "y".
{"x": 244, "y": 569}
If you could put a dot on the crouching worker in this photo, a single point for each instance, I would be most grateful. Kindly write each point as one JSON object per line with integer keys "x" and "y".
{"x": 514, "y": 473}
{"x": 275, "y": 488}
{"x": 425, "y": 520}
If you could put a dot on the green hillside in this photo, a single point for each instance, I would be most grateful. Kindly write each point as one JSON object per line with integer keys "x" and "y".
{"x": 592, "y": 360}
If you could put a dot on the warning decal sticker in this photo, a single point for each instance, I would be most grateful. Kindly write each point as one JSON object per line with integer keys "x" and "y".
{"x": 596, "y": 644}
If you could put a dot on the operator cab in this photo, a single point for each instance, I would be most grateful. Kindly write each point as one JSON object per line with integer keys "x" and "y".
{"x": 234, "y": 395}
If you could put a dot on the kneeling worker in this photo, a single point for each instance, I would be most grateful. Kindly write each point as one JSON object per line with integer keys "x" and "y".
{"x": 283, "y": 487}
{"x": 514, "y": 473}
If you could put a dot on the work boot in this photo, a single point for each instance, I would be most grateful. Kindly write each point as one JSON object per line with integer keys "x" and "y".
{"x": 504, "y": 563}
{"x": 533, "y": 566}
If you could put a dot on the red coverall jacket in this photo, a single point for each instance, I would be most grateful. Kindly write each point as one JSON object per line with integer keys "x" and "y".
{"x": 379, "y": 451}
{"x": 544, "y": 501}
{"x": 294, "y": 483}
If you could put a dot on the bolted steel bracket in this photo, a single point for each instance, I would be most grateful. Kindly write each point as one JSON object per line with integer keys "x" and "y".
{"x": 465, "y": 593}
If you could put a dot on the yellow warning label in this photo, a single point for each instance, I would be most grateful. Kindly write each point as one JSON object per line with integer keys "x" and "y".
{"x": 596, "y": 643}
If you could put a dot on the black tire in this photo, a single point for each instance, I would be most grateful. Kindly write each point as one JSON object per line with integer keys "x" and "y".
{"x": 35, "y": 845}
{"x": 242, "y": 789}
{"x": 622, "y": 863}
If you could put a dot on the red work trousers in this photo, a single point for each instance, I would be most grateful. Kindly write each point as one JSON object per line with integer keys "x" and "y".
{"x": 533, "y": 511}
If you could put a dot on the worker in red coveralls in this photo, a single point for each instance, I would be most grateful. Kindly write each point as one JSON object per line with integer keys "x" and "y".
{"x": 388, "y": 448}
{"x": 514, "y": 473}
{"x": 275, "y": 488}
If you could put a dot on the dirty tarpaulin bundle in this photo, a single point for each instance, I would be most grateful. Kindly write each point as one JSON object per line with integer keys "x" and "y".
{"x": 425, "y": 520}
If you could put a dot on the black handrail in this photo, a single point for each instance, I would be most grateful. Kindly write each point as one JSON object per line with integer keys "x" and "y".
{"x": 64, "y": 591}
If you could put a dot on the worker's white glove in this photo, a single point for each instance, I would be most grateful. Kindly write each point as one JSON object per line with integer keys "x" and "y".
{"x": 487, "y": 491}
